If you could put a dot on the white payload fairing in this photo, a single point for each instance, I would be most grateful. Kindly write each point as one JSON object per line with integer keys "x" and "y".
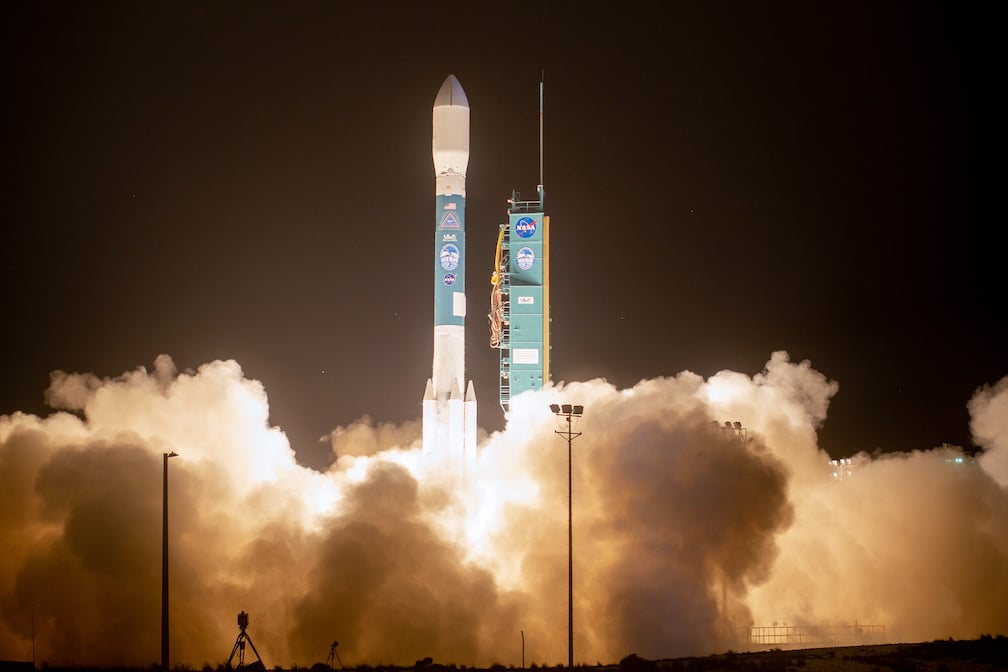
{"x": 449, "y": 405}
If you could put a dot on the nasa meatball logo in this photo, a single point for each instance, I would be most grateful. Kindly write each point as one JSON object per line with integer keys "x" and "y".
{"x": 525, "y": 227}
{"x": 449, "y": 279}
{"x": 525, "y": 258}
{"x": 450, "y": 256}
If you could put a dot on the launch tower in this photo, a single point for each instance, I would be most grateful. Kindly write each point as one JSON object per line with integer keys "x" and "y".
{"x": 519, "y": 296}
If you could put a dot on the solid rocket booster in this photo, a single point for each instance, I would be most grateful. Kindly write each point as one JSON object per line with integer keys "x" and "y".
{"x": 449, "y": 412}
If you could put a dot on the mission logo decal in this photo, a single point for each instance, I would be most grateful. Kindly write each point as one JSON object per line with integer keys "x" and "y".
{"x": 451, "y": 221}
{"x": 525, "y": 258}
{"x": 525, "y": 227}
{"x": 450, "y": 256}
{"x": 449, "y": 279}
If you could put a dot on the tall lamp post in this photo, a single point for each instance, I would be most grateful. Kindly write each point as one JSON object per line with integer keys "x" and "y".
{"x": 164, "y": 564}
{"x": 567, "y": 416}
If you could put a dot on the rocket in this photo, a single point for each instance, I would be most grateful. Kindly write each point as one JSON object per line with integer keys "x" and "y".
{"x": 449, "y": 405}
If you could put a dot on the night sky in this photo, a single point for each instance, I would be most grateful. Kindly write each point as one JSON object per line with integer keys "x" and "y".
{"x": 254, "y": 181}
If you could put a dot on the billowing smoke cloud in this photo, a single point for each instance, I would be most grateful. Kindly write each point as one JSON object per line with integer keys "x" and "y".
{"x": 365, "y": 438}
{"x": 668, "y": 510}
{"x": 917, "y": 542}
{"x": 682, "y": 529}
{"x": 989, "y": 412}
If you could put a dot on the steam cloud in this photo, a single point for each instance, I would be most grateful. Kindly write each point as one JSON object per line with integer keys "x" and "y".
{"x": 681, "y": 529}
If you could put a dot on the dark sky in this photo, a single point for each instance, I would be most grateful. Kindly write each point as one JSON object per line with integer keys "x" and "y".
{"x": 254, "y": 181}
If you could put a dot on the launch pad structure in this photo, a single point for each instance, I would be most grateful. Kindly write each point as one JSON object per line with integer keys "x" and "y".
{"x": 519, "y": 296}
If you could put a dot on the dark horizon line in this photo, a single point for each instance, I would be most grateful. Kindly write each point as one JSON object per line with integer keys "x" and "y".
{"x": 985, "y": 646}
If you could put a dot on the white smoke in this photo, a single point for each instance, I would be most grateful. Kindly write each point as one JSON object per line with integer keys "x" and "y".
{"x": 399, "y": 560}
{"x": 989, "y": 421}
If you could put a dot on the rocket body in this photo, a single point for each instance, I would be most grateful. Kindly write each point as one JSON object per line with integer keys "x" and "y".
{"x": 450, "y": 150}
{"x": 449, "y": 406}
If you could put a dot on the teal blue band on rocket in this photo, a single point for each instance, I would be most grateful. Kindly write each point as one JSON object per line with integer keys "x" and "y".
{"x": 449, "y": 259}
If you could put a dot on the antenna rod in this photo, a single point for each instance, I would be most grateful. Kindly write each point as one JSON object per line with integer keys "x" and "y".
{"x": 542, "y": 188}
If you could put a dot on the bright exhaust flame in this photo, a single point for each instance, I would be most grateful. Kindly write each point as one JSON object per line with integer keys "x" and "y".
{"x": 681, "y": 530}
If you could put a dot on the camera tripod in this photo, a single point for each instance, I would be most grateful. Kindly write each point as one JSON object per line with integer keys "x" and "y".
{"x": 239, "y": 645}
{"x": 333, "y": 654}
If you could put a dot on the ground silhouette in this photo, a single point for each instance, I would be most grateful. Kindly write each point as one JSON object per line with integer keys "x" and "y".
{"x": 983, "y": 654}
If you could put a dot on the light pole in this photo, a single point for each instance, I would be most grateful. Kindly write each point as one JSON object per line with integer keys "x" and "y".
{"x": 164, "y": 564}
{"x": 567, "y": 416}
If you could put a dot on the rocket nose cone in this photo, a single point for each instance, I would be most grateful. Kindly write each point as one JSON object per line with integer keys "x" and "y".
{"x": 451, "y": 93}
